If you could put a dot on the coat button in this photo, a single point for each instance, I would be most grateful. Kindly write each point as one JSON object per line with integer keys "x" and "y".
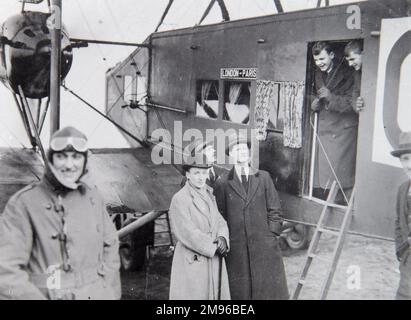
{"x": 48, "y": 206}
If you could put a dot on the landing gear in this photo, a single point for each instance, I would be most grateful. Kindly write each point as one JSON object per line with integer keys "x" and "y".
{"x": 132, "y": 257}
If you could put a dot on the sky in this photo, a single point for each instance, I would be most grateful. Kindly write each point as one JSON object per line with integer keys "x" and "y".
{"x": 119, "y": 20}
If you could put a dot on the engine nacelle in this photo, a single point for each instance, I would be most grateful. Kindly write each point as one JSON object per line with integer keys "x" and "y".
{"x": 25, "y": 48}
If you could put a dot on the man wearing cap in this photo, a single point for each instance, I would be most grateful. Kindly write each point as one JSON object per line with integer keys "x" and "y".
{"x": 56, "y": 239}
{"x": 206, "y": 148}
{"x": 403, "y": 218}
{"x": 198, "y": 270}
{"x": 248, "y": 201}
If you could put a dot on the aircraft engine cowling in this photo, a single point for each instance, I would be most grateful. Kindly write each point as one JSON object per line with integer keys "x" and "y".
{"x": 25, "y": 47}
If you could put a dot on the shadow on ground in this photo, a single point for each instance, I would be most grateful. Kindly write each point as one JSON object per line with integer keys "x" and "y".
{"x": 151, "y": 281}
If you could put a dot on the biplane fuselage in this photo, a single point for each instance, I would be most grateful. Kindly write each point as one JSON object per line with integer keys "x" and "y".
{"x": 273, "y": 48}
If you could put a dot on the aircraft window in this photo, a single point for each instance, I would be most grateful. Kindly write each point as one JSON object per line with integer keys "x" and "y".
{"x": 237, "y": 101}
{"x": 29, "y": 33}
{"x": 207, "y": 98}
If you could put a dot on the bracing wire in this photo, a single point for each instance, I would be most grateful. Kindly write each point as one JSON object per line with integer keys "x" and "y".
{"x": 90, "y": 29}
{"x": 143, "y": 143}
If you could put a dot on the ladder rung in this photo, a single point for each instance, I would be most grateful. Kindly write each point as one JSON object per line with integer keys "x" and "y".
{"x": 317, "y": 257}
{"x": 334, "y": 205}
{"x": 329, "y": 231}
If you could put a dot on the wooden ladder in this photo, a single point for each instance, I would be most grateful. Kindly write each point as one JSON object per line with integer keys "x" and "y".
{"x": 319, "y": 230}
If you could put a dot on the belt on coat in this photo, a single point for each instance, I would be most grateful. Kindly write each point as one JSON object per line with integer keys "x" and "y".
{"x": 64, "y": 280}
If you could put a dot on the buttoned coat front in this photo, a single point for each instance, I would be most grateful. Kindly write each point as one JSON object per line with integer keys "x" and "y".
{"x": 196, "y": 223}
{"x": 254, "y": 264}
{"x": 30, "y": 248}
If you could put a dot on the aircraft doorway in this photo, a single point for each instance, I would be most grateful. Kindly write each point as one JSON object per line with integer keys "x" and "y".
{"x": 332, "y": 89}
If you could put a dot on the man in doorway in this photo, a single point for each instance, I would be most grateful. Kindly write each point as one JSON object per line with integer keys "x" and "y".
{"x": 337, "y": 123}
{"x": 249, "y": 202}
{"x": 353, "y": 55}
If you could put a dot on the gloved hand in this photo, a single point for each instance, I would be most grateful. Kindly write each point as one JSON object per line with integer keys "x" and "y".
{"x": 222, "y": 247}
{"x": 324, "y": 93}
{"x": 315, "y": 105}
{"x": 276, "y": 227}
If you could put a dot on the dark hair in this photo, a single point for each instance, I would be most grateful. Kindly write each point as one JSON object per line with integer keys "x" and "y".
{"x": 354, "y": 46}
{"x": 320, "y": 46}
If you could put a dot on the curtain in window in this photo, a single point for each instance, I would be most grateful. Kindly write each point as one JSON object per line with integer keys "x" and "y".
{"x": 234, "y": 94}
{"x": 263, "y": 106}
{"x": 291, "y": 104}
{"x": 205, "y": 91}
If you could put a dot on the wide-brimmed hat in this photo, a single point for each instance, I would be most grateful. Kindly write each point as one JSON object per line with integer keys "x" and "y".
{"x": 234, "y": 140}
{"x": 199, "y": 160}
{"x": 404, "y": 144}
{"x": 198, "y": 145}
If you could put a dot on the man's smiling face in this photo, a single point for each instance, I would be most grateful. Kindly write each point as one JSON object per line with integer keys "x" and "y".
{"x": 69, "y": 164}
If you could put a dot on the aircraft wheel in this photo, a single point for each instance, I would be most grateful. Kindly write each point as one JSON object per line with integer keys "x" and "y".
{"x": 298, "y": 237}
{"x": 132, "y": 257}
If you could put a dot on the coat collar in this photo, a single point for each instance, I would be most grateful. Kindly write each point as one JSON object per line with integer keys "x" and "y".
{"x": 196, "y": 198}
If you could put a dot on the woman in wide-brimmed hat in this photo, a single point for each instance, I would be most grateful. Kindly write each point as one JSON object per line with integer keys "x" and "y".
{"x": 198, "y": 269}
{"x": 205, "y": 147}
{"x": 403, "y": 218}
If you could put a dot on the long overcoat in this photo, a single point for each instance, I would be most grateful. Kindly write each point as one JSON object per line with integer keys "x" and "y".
{"x": 402, "y": 246}
{"x": 254, "y": 264}
{"x": 337, "y": 128}
{"x": 31, "y": 252}
{"x": 196, "y": 223}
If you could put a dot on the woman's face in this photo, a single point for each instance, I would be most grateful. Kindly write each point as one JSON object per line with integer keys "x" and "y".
{"x": 197, "y": 176}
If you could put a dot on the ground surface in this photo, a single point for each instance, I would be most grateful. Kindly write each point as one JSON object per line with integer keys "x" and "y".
{"x": 367, "y": 270}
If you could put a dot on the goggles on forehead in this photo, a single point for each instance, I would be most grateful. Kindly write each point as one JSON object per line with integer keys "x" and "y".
{"x": 61, "y": 143}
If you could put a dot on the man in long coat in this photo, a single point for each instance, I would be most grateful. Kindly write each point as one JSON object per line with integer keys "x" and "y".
{"x": 337, "y": 119}
{"x": 251, "y": 206}
{"x": 56, "y": 239}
